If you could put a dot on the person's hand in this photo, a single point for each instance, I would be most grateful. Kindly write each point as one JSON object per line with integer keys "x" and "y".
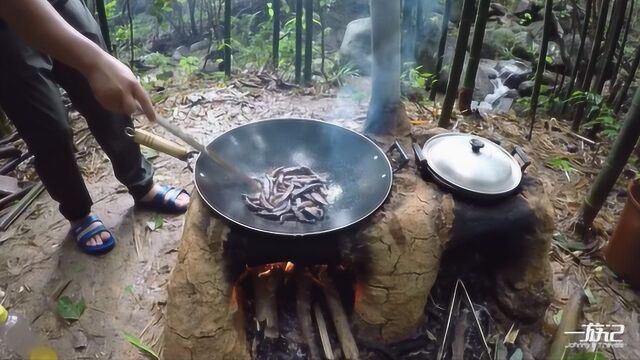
{"x": 116, "y": 88}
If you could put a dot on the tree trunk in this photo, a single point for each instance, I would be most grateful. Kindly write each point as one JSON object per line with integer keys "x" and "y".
{"x": 227, "y": 37}
{"x": 192, "y": 18}
{"x": 308, "y": 40}
{"x": 583, "y": 36}
{"x": 276, "y": 34}
{"x": 104, "y": 25}
{"x": 323, "y": 56}
{"x": 613, "y": 166}
{"x": 131, "y": 46}
{"x": 298, "y": 60}
{"x": 419, "y": 26}
{"x": 469, "y": 82}
{"x": 441, "y": 47}
{"x": 593, "y": 59}
{"x": 620, "y": 58}
{"x": 458, "y": 63}
{"x": 548, "y": 13}
{"x": 386, "y": 113}
{"x": 408, "y": 31}
{"x": 617, "y": 19}
{"x": 632, "y": 74}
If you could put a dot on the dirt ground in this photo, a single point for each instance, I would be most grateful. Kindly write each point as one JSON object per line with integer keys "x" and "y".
{"x": 125, "y": 290}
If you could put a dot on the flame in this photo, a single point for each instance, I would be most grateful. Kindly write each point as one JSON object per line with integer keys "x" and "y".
{"x": 289, "y": 267}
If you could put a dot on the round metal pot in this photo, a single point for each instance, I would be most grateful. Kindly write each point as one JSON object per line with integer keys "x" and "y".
{"x": 471, "y": 166}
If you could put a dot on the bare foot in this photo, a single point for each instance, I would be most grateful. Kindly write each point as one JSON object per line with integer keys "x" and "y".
{"x": 181, "y": 202}
{"x": 97, "y": 239}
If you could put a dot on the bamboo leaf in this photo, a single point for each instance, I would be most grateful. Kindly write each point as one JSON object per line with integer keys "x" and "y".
{"x": 143, "y": 348}
{"x": 155, "y": 223}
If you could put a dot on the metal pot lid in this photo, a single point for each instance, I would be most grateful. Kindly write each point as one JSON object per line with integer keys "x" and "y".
{"x": 472, "y": 163}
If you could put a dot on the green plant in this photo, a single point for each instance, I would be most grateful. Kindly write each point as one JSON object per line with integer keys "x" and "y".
{"x": 158, "y": 60}
{"x": 416, "y": 77}
{"x": 601, "y": 117}
{"x": 525, "y": 19}
{"x": 560, "y": 164}
{"x": 189, "y": 64}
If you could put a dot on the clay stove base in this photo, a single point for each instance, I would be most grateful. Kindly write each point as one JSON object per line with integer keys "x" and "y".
{"x": 406, "y": 239}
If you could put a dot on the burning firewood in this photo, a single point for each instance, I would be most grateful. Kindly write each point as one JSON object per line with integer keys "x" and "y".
{"x": 265, "y": 285}
{"x": 303, "y": 310}
{"x": 290, "y": 194}
{"x": 340, "y": 321}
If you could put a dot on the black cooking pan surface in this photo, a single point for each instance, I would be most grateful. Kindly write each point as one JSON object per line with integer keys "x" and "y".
{"x": 358, "y": 171}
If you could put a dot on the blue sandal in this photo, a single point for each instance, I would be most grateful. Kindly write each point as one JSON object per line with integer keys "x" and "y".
{"x": 82, "y": 241}
{"x": 165, "y": 200}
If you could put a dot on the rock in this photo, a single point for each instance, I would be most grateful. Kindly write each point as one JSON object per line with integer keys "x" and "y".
{"x": 79, "y": 340}
{"x": 526, "y": 7}
{"x": 526, "y": 88}
{"x": 180, "y": 52}
{"x": 512, "y": 94}
{"x": 497, "y": 43}
{"x": 572, "y": 148}
{"x": 200, "y": 45}
{"x": 356, "y": 45}
{"x": 496, "y": 9}
{"x": 513, "y": 72}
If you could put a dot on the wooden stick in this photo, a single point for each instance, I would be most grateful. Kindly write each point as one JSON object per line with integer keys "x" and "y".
{"x": 303, "y": 310}
{"x": 324, "y": 334}
{"x": 265, "y": 287}
{"x": 340, "y": 321}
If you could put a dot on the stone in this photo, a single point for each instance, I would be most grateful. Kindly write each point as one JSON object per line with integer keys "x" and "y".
{"x": 485, "y": 79}
{"x": 526, "y": 88}
{"x": 496, "y": 9}
{"x": 356, "y": 45}
{"x": 526, "y": 6}
{"x": 200, "y": 45}
{"x": 513, "y": 72}
{"x": 180, "y": 52}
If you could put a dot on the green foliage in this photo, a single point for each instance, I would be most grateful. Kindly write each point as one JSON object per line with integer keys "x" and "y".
{"x": 70, "y": 310}
{"x": 189, "y": 64}
{"x": 339, "y": 74}
{"x": 600, "y": 115}
{"x": 158, "y": 60}
{"x": 110, "y": 8}
{"x": 525, "y": 19}
{"x": 416, "y": 77}
{"x": 155, "y": 223}
{"x": 587, "y": 356}
{"x": 560, "y": 164}
{"x": 142, "y": 347}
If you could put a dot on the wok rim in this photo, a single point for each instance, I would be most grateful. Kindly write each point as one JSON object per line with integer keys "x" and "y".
{"x": 306, "y": 234}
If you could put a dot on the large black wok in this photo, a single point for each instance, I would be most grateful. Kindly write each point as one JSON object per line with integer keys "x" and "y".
{"x": 358, "y": 170}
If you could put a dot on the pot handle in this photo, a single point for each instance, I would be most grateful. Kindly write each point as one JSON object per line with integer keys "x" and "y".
{"x": 158, "y": 143}
{"x": 404, "y": 159}
{"x": 519, "y": 152}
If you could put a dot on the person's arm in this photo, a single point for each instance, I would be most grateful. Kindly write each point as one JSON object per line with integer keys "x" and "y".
{"x": 113, "y": 83}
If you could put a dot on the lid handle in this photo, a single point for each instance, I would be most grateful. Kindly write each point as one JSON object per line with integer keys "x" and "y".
{"x": 476, "y": 145}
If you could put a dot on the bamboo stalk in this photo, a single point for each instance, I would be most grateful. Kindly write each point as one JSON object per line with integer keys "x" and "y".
{"x": 276, "y": 34}
{"x": 469, "y": 82}
{"x": 322, "y": 41}
{"x": 613, "y": 166}
{"x": 615, "y": 27}
{"x": 419, "y": 25}
{"x": 593, "y": 59}
{"x": 620, "y": 58}
{"x": 227, "y": 37}
{"x": 131, "y": 47}
{"x": 303, "y": 310}
{"x": 298, "y": 59}
{"x": 324, "y": 333}
{"x": 623, "y": 93}
{"x": 571, "y": 315}
{"x": 308, "y": 39}
{"x": 104, "y": 25}
{"x": 458, "y": 63}
{"x": 340, "y": 321}
{"x": 441, "y": 47}
{"x": 574, "y": 71}
{"x": 548, "y": 13}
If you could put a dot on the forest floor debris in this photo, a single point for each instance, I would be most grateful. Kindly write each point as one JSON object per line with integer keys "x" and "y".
{"x": 125, "y": 290}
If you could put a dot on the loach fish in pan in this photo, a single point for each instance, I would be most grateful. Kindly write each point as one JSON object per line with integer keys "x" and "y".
{"x": 290, "y": 194}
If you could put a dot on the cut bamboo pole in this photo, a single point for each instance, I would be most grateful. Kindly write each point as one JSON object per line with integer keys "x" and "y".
{"x": 303, "y": 310}
{"x": 324, "y": 334}
{"x": 340, "y": 321}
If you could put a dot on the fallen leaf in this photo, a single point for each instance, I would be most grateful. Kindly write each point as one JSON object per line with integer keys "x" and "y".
{"x": 148, "y": 153}
{"x": 70, "y": 310}
{"x": 592, "y": 299}
{"x": 568, "y": 244}
{"x": 557, "y": 317}
{"x": 517, "y": 355}
{"x": 155, "y": 223}
{"x": 143, "y": 348}
{"x": 129, "y": 290}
